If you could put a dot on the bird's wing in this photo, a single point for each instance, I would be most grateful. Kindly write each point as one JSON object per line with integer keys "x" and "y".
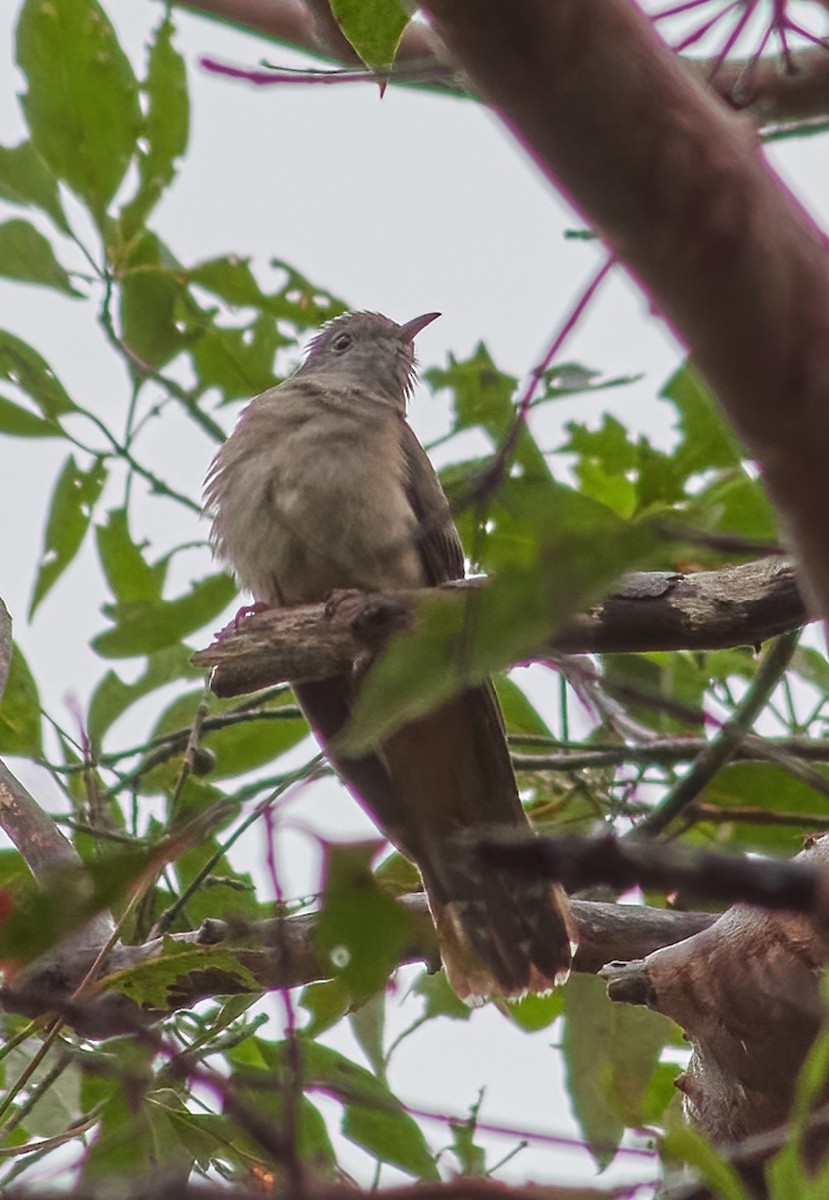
{"x": 438, "y": 542}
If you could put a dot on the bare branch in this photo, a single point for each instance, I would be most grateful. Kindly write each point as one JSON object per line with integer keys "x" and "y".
{"x": 659, "y": 610}
{"x": 584, "y": 862}
{"x": 5, "y": 646}
{"x": 283, "y": 953}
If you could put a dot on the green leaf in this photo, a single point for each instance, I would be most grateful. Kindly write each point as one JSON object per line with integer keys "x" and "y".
{"x": 44, "y": 913}
{"x": 21, "y": 365}
{"x": 706, "y": 439}
{"x": 25, "y": 179}
{"x": 483, "y": 397}
{"x": 396, "y": 1139}
{"x": 361, "y": 929}
{"x": 441, "y": 1000}
{"x": 21, "y": 729}
{"x": 19, "y": 422}
{"x": 520, "y": 716}
{"x": 684, "y": 1145}
{"x": 246, "y": 746}
{"x": 82, "y": 99}
{"x": 26, "y": 255}
{"x": 162, "y": 982}
{"x": 610, "y": 1053}
{"x": 368, "y": 1024}
{"x": 533, "y": 1012}
{"x": 327, "y": 1002}
{"x": 144, "y": 626}
{"x": 112, "y": 697}
{"x": 165, "y": 127}
{"x": 239, "y": 362}
{"x": 129, "y": 576}
{"x": 553, "y": 551}
{"x": 758, "y": 788}
{"x": 373, "y": 27}
{"x": 70, "y": 512}
{"x": 153, "y": 292}
{"x": 390, "y": 1139}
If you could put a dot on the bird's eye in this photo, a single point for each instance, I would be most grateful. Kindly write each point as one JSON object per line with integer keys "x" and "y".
{"x": 342, "y": 342}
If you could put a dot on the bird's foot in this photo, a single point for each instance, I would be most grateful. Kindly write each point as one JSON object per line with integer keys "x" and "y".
{"x": 247, "y": 610}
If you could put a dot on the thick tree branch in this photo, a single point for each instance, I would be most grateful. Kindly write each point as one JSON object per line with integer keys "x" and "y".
{"x": 747, "y": 992}
{"x": 740, "y": 605}
{"x": 679, "y": 189}
{"x": 770, "y": 95}
{"x": 278, "y": 954}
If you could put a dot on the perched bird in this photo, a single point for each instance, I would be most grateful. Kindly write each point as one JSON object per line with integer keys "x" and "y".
{"x": 323, "y": 485}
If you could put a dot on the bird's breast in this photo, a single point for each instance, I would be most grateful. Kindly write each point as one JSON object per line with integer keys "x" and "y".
{"x": 319, "y": 504}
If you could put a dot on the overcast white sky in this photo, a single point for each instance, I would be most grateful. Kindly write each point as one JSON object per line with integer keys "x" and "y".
{"x": 404, "y": 205}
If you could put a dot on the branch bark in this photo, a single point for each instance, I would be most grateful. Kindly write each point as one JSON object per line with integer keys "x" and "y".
{"x": 708, "y": 610}
{"x": 770, "y": 95}
{"x": 677, "y": 186}
{"x": 278, "y": 954}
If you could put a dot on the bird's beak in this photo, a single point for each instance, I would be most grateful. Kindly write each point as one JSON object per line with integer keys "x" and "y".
{"x": 411, "y": 329}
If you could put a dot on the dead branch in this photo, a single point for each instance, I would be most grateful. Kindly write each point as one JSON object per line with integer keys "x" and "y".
{"x": 658, "y": 610}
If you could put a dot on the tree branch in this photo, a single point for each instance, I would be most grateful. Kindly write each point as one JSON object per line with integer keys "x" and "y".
{"x": 770, "y": 95}
{"x": 275, "y": 954}
{"x": 740, "y": 605}
{"x": 677, "y": 186}
{"x": 747, "y": 992}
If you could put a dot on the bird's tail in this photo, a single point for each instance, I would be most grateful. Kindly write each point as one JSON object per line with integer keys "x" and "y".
{"x": 502, "y": 932}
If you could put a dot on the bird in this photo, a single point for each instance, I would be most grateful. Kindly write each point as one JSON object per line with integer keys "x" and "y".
{"x": 323, "y": 485}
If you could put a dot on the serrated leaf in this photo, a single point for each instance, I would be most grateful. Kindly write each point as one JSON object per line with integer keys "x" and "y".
{"x": 26, "y": 255}
{"x": 82, "y": 98}
{"x": 373, "y": 27}
{"x": 19, "y": 422}
{"x": 165, "y": 127}
{"x": 361, "y": 929}
{"x": 239, "y": 362}
{"x": 144, "y": 626}
{"x": 21, "y": 365}
{"x": 610, "y": 1053}
{"x": 553, "y": 551}
{"x": 25, "y": 179}
{"x": 21, "y": 729}
{"x": 70, "y": 512}
{"x": 163, "y": 982}
{"x": 707, "y": 440}
{"x": 484, "y": 397}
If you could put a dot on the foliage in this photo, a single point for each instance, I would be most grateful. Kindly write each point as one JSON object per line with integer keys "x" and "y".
{"x": 555, "y": 530}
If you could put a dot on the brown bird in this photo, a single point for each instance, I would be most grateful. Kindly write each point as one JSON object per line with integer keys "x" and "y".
{"x": 323, "y": 485}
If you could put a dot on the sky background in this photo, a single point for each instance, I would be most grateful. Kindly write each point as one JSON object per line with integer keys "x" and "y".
{"x": 404, "y": 205}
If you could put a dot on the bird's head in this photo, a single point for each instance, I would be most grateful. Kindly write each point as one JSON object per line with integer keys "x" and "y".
{"x": 368, "y": 348}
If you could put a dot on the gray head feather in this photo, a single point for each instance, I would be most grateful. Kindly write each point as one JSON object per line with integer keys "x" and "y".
{"x": 367, "y": 348}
